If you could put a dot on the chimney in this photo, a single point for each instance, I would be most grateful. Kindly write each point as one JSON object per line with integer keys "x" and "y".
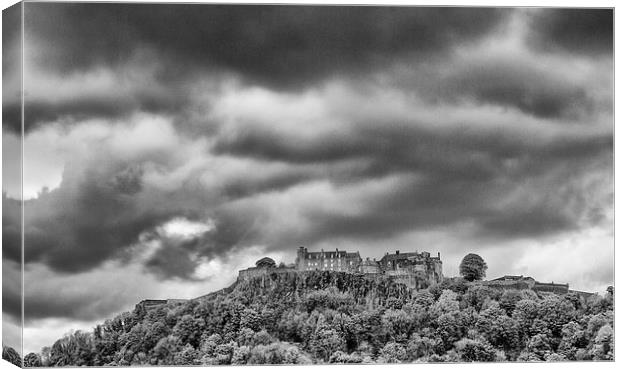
{"x": 438, "y": 255}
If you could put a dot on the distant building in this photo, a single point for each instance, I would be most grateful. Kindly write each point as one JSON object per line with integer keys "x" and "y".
{"x": 417, "y": 270}
{"x": 420, "y": 268}
{"x": 370, "y": 266}
{"x": 519, "y": 282}
{"x": 420, "y": 264}
{"x": 264, "y": 266}
{"x": 337, "y": 261}
{"x": 266, "y": 263}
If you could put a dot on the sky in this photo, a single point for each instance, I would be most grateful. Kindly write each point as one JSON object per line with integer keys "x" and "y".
{"x": 168, "y": 146}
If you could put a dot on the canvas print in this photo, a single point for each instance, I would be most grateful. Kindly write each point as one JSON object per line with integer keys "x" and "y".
{"x": 229, "y": 184}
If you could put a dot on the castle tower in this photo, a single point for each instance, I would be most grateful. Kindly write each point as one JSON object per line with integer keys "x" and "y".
{"x": 300, "y": 261}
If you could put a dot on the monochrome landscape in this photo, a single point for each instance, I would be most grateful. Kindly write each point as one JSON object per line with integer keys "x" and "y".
{"x": 230, "y": 184}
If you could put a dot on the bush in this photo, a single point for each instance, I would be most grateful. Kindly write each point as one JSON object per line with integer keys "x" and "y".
{"x": 474, "y": 350}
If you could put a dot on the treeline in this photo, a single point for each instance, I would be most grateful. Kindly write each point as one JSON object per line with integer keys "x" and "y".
{"x": 328, "y": 317}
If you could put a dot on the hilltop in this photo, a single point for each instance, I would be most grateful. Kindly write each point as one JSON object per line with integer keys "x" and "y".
{"x": 327, "y": 316}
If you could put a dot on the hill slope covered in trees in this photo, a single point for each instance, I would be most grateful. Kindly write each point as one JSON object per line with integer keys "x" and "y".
{"x": 330, "y": 317}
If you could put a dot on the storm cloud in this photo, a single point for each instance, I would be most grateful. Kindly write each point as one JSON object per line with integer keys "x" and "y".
{"x": 585, "y": 31}
{"x": 191, "y": 139}
{"x": 283, "y": 47}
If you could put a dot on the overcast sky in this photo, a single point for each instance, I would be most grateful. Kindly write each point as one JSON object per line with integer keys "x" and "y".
{"x": 168, "y": 146}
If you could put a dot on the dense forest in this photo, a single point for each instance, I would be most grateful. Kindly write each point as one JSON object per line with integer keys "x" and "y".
{"x": 330, "y": 317}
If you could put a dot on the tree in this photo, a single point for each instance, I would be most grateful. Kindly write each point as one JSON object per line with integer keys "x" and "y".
{"x": 476, "y": 296}
{"x": 187, "y": 356}
{"x": 556, "y": 312}
{"x": 189, "y": 329}
{"x": 539, "y": 346}
{"x": 525, "y": 313}
{"x": 250, "y": 318}
{"x": 419, "y": 347}
{"x": 573, "y": 339}
{"x": 394, "y": 352}
{"x": 241, "y": 355}
{"x": 509, "y": 300}
{"x": 474, "y": 350}
{"x": 326, "y": 341}
{"x": 32, "y": 360}
{"x": 9, "y": 354}
{"x": 397, "y": 324}
{"x": 446, "y": 304}
{"x": 602, "y": 349}
{"x": 473, "y": 267}
{"x": 166, "y": 349}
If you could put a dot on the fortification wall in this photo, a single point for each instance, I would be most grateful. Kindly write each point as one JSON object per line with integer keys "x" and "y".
{"x": 582, "y": 294}
{"x": 148, "y": 305}
{"x": 551, "y": 287}
{"x": 250, "y": 273}
{"x": 507, "y": 285}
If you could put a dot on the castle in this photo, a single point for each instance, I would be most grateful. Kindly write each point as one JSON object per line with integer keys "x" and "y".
{"x": 417, "y": 270}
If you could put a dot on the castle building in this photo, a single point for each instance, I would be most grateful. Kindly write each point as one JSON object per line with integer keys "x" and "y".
{"x": 266, "y": 262}
{"x": 370, "y": 267}
{"x": 337, "y": 261}
{"x": 408, "y": 265}
{"x": 417, "y": 270}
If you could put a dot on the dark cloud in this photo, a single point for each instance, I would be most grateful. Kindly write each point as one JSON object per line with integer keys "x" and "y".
{"x": 275, "y": 44}
{"x": 269, "y": 144}
{"x": 83, "y": 107}
{"x": 11, "y": 68}
{"x": 11, "y": 228}
{"x": 294, "y": 47}
{"x": 435, "y": 202}
{"x": 12, "y": 118}
{"x": 283, "y": 47}
{"x": 580, "y": 31}
{"x": 102, "y": 208}
{"x": 443, "y": 180}
{"x": 89, "y": 218}
{"x": 533, "y": 90}
{"x": 12, "y": 288}
{"x": 410, "y": 146}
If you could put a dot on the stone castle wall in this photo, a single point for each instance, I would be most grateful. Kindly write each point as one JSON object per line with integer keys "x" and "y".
{"x": 256, "y": 272}
{"x": 551, "y": 287}
{"x": 527, "y": 283}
